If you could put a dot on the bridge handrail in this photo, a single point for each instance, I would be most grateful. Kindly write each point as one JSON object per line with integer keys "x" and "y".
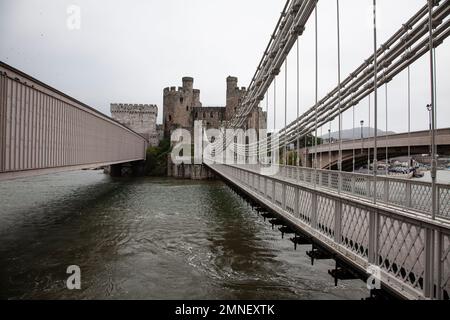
{"x": 365, "y": 234}
{"x": 405, "y": 194}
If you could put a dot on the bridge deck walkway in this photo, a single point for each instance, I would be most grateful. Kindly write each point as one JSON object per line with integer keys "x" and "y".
{"x": 411, "y": 252}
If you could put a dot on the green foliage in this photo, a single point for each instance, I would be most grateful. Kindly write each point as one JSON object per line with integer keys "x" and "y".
{"x": 156, "y": 162}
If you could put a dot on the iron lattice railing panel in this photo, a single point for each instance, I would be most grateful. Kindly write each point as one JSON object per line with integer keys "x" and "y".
{"x": 325, "y": 176}
{"x": 290, "y": 199}
{"x": 261, "y": 184}
{"x": 308, "y": 176}
{"x": 278, "y": 193}
{"x": 325, "y": 215}
{"x": 444, "y": 201}
{"x": 381, "y": 185}
{"x": 445, "y": 265}
{"x": 355, "y": 229}
{"x": 361, "y": 186}
{"x": 421, "y": 197}
{"x": 304, "y": 206}
{"x": 270, "y": 184}
{"x": 291, "y": 173}
{"x": 397, "y": 192}
{"x": 347, "y": 183}
{"x": 334, "y": 180}
{"x": 402, "y": 250}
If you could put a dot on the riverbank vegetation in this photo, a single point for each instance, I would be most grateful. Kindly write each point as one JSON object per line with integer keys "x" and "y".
{"x": 156, "y": 161}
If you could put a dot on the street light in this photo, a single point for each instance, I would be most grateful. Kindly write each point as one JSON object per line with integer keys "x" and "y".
{"x": 329, "y": 149}
{"x": 430, "y": 108}
{"x": 362, "y": 137}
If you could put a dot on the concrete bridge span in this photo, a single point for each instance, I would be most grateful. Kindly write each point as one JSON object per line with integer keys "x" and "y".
{"x": 397, "y": 145}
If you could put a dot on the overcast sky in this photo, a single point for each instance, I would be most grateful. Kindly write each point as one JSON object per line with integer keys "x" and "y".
{"x": 128, "y": 51}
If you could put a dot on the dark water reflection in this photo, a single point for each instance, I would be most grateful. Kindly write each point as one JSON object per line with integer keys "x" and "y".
{"x": 148, "y": 239}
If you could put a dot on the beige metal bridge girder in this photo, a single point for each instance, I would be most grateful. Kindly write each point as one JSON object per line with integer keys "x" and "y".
{"x": 43, "y": 130}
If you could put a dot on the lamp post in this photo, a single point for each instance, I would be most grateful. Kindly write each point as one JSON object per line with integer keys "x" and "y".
{"x": 362, "y": 137}
{"x": 329, "y": 149}
{"x": 429, "y": 108}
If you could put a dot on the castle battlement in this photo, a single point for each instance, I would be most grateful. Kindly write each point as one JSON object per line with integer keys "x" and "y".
{"x": 139, "y": 117}
{"x": 174, "y": 91}
{"x": 134, "y": 108}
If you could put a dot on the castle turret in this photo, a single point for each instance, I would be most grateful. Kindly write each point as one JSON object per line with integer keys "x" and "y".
{"x": 232, "y": 83}
{"x": 188, "y": 83}
{"x": 179, "y": 105}
{"x": 234, "y": 96}
{"x": 196, "y": 99}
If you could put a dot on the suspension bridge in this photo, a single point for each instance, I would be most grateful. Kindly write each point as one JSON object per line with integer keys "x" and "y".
{"x": 363, "y": 221}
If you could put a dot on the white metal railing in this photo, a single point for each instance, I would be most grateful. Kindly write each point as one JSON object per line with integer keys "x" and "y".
{"x": 405, "y": 194}
{"x": 411, "y": 252}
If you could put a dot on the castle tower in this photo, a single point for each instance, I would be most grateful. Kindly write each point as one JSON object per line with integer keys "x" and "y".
{"x": 178, "y": 106}
{"x": 234, "y": 96}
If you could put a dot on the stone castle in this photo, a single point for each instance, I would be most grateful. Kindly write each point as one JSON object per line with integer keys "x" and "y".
{"x": 140, "y": 118}
{"x": 182, "y": 106}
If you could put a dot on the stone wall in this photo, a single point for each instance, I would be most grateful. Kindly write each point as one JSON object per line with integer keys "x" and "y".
{"x": 212, "y": 117}
{"x": 140, "y": 118}
{"x": 189, "y": 171}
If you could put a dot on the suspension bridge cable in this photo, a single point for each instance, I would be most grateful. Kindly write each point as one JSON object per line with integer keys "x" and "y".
{"x": 316, "y": 91}
{"x": 386, "y": 133}
{"x": 433, "y": 110}
{"x": 435, "y": 87}
{"x": 386, "y": 137}
{"x": 353, "y": 133}
{"x": 321, "y": 154}
{"x": 298, "y": 102}
{"x": 368, "y": 136}
{"x": 409, "y": 117}
{"x": 285, "y": 107}
{"x": 375, "y": 148}
{"x": 274, "y": 105}
{"x": 409, "y": 105}
{"x": 329, "y": 146}
{"x": 273, "y": 147}
{"x": 339, "y": 92}
{"x": 267, "y": 118}
{"x": 429, "y": 291}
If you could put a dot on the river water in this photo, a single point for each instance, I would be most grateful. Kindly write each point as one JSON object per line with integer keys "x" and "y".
{"x": 148, "y": 238}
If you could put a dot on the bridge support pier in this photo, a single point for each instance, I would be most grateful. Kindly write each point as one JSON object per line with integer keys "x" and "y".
{"x": 138, "y": 168}
{"x": 115, "y": 170}
{"x": 133, "y": 169}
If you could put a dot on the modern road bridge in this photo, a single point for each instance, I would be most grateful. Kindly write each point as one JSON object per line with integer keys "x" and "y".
{"x": 43, "y": 130}
{"x": 397, "y": 227}
{"x": 356, "y": 152}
